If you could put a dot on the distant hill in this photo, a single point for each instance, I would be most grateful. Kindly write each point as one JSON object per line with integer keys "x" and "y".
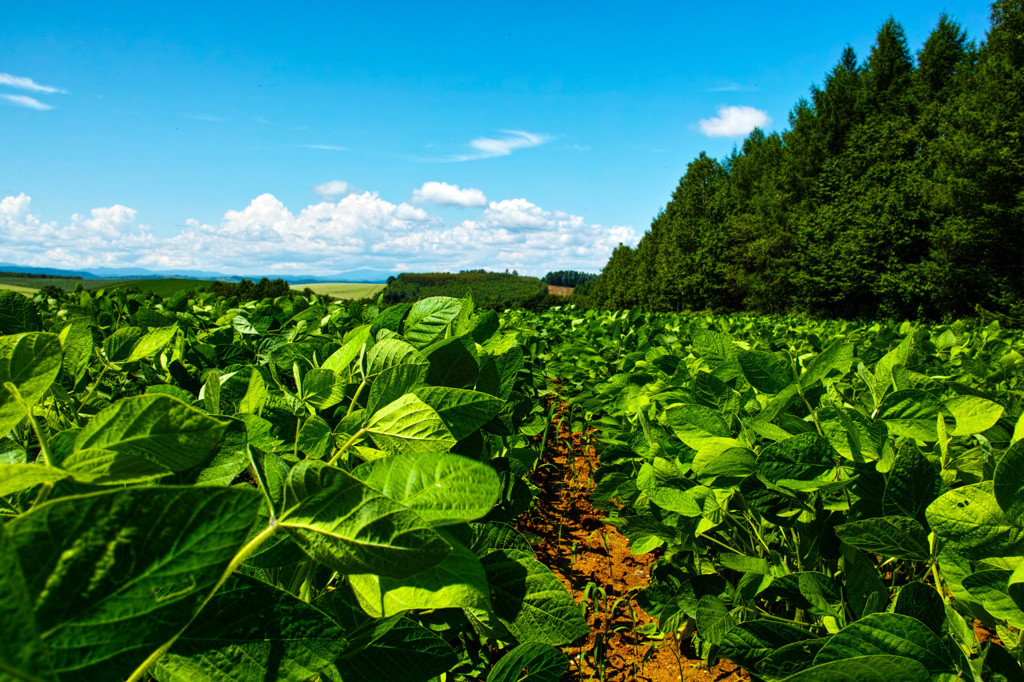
{"x": 361, "y": 275}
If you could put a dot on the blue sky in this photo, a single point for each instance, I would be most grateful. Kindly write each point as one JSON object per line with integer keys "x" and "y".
{"x": 255, "y": 138}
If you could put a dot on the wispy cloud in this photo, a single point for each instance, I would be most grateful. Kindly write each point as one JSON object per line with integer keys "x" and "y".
{"x": 26, "y": 101}
{"x": 490, "y": 147}
{"x": 327, "y": 147}
{"x": 23, "y": 83}
{"x": 205, "y": 117}
{"x": 734, "y": 121}
{"x": 333, "y": 188}
{"x": 443, "y": 194}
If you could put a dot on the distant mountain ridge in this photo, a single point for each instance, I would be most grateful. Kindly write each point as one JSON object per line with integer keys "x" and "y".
{"x": 363, "y": 276}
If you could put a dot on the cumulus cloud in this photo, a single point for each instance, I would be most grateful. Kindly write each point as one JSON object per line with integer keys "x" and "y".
{"x": 734, "y": 122}
{"x": 359, "y": 230}
{"x": 23, "y": 83}
{"x": 333, "y": 188}
{"x": 26, "y": 101}
{"x": 443, "y": 194}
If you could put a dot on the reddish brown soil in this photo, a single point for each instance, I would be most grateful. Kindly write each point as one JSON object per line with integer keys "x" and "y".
{"x": 584, "y": 551}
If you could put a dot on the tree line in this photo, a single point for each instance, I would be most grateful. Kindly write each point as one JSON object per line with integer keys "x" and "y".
{"x": 897, "y": 190}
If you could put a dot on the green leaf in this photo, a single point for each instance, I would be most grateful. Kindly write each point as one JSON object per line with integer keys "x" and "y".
{"x": 18, "y": 314}
{"x": 315, "y": 438}
{"x": 1008, "y": 482}
{"x": 992, "y": 589}
{"x": 973, "y": 414}
{"x": 765, "y": 371}
{"x": 17, "y": 477}
{"x": 252, "y": 631}
{"x": 158, "y": 428}
{"x": 713, "y": 619}
{"x": 342, "y": 358}
{"x": 865, "y": 591}
{"x": 530, "y": 600}
{"x": 922, "y": 602}
{"x": 890, "y": 536}
{"x": 912, "y": 484}
{"x": 390, "y": 352}
{"x": 458, "y": 581}
{"x": 31, "y": 363}
{"x": 114, "y": 575}
{"x": 888, "y": 634}
{"x": 695, "y": 425}
{"x": 911, "y": 413}
{"x": 791, "y": 658}
{"x": 404, "y": 652}
{"x": 347, "y": 525}
{"x": 880, "y": 668}
{"x": 748, "y": 643}
{"x": 969, "y": 520}
{"x": 442, "y": 488}
{"x": 453, "y": 362}
{"x": 409, "y": 424}
{"x": 462, "y": 411}
{"x": 807, "y": 457}
{"x": 429, "y": 319}
{"x": 393, "y": 383}
{"x": 118, "y": 346}
{"x": 23, "y": 656}
{"x": 152, "y": 342}
{"x": 530, "y": 662}
{"x": 838, "y": 357}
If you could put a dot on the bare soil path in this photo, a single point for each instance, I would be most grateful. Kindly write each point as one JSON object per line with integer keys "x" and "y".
{"x": 594, "y": 562}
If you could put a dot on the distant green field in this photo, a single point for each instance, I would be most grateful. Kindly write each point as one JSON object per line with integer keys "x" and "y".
{"x": 161, "y": 287}
{"x": 28, "y": 291}
{"x": 347, "y": 290}
{"x": 34, "y": 284}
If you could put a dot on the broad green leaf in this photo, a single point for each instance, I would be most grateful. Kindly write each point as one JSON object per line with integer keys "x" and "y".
{"x": 749, "y": 642}
{"x": 17, "y": 477}
{"x": 429, "y": 318}
{"x": 969, "y": 520}
{"x": 898, "y": 356}
{"x": 765, "y": 371}
{"x": 118, "y": 346}
{"x": 342, "y": 358}
{"x": 105, "y": 467}
{"x": 1008, "y": 482}
{"x": 255, "y": 395}
{"x": 723, "y": 459}
{"x": 252, "y": 631}
{"x": 165, "y": 431}
{"x": 696, "y": 424}
{"x": 911, "y": 412}
{"x": 409, "y": 424}
{"x": 689, "y": 502}
{"x": 791, "y": 658}
{"x": 230, "y": 459}
{"x": 442, "y": 488}
{"x": 31, "y": 362}
{"x": 393, "y": 383}
{"x": 807, "y": 457}
{"x": 922, "y": 602}
{"x": 888, "y": 634}
{"x": 838, "y": 357}
{"x": 713, "y": 619}
{"x": 458, "y": 581}
{"x": 315, "y": 438}
{"x": 405, "y": 652}
{"x": 864, "y": 589}
{"x": 493, "y": 535}
{"x": 152, "y": 342}
{"x": 78, "y": 344}
{"x": 713, "y": 346}
{"x": 347, "y": 525}
{"x": 462, "y": 411}
{"x": 114, "y": 575}
{"x": 890, "y": 536}
{"x": 453, "y": 362}
{"x": 992, "y": 589}
{"x": 17, "y": 313}
{"x": 318, "y": 389}
{"x": 879, "y": 668}
{"x": 973, "y": 414}
{"x": 391, "y": 352}
{"x": 912, "y": 484}
{"x": 23, "y": 656}
{"x": 530, "y": 600}
{"x": 530, "y": 662}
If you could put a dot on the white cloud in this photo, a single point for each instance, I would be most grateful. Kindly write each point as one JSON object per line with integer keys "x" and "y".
{"x": 205, "y": 117}
{"x": 734, "y": 122}
{"x": 333, "y": 188}
{"x": 490, "y": 147}
{"x": 359, "y": 230}
{"x": 23, "y": 83}
{"x": 27, "y": 102}
{"x": 443, "y": 194}
{"x": 327, "y": 147}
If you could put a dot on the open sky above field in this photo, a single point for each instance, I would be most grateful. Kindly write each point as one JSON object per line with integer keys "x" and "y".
{"x": 249, "y": 138}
